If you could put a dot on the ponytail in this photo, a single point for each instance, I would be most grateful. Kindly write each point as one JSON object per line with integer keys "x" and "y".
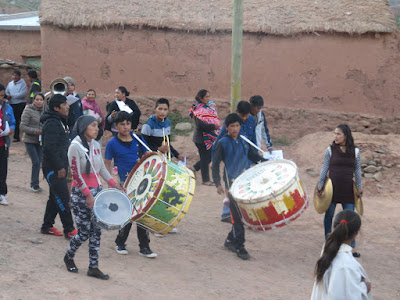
{"x": 200, "y": 95}
{"x": 347, "y": 223}
{"x": 86, "y": 145}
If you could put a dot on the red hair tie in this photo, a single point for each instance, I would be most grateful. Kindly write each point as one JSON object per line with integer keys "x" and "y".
{"x": 343, "y": 221}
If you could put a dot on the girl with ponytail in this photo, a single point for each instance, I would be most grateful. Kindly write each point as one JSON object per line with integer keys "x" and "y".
{"x": 86, "y": 162}
{"x": 338, "y": 275}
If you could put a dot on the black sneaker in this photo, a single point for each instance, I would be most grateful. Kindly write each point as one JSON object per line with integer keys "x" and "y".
{"x": 95, "y": 272}
{"x": 36, "y": 189}
{"x": 226, "y": 220}
{"x": 147, "y": 253}
{"x": 229, "y": 245}
{"x": 121, "y": 250}
{"x": 70, "y": 264}
{"x": 242, "y": 253}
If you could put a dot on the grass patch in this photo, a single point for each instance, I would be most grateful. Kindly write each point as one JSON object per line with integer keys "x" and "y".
{"x": 282, "y": 141}
{"x": 175, "y": 118}
{"x": 398, "y": 21}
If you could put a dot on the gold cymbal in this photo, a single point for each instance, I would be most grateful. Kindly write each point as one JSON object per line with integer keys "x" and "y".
{"x": 357, "y": 200}
{"x": 321, "y": 204}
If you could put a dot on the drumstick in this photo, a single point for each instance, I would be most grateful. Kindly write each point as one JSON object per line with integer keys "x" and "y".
{"x": 251, "y": 143}
{"x": 166, "y": 141}
{"x": 169, "y": 152}
{"x": 140, "y": 141}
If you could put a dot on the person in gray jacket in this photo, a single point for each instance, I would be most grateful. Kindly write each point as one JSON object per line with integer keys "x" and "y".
{"x": 16, "y": 94}
{"x": 32, "y": 137}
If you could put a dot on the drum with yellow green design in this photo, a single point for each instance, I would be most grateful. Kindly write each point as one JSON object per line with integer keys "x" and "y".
{"x": 161, "y": 192}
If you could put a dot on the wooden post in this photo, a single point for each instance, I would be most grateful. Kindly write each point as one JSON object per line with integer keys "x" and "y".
{"x": 236, "y": 68}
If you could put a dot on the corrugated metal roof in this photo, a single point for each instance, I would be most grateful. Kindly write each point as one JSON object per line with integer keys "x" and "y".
{"x": 21, "y": 21}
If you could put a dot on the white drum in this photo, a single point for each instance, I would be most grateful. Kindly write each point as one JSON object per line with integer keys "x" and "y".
{"x": 269, "y": 194}
{"x": 112, "y": 209}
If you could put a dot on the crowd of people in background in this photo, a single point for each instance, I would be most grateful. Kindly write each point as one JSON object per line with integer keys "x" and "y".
{"x": 63, "y": 135}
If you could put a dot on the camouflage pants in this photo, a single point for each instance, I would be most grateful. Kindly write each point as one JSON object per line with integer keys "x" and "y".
{"x": 86, "y": 228}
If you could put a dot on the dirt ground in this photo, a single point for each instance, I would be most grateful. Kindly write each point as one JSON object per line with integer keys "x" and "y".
{"x": 193, "y": 263}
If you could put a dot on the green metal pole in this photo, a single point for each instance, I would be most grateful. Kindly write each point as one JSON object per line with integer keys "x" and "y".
{"x": 236, "y": 68}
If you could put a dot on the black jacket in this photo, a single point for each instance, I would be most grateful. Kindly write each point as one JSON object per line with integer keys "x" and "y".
{"x": 201, "y": 127}
{"x": 55, "y": 139}
{"x": 135, "y": 115}
{"x": 36, "y": 87}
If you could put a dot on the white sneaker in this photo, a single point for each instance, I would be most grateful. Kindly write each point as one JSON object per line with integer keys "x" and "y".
{"x": 174, "y": 230}
{"x": 3, "y": 200}
{"x": 147, "y": 253}
{"x": 121, "y": 250}
{"x": 159, "y": 235}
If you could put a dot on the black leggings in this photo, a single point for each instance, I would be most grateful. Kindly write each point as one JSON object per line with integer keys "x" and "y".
{"x": 203, "y": 163}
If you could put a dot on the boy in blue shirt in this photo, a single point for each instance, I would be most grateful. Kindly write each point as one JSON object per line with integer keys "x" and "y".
{"x": 233, "y": 151}
{"x": 126, "y": 151}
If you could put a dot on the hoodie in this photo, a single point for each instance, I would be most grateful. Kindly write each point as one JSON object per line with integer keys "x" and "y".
{"x": 153, "y": 133}
{"x": 55, "y": 138}
{"x": 77, "y": 155}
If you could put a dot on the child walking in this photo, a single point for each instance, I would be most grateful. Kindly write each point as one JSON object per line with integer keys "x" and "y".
{"x": 125, "y": 150}
{"x": 86, "y": 163}
{"x": 233, "y": 151}
{"x": 338, "y": 274}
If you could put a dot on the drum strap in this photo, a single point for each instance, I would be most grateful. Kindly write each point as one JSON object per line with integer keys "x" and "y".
{"x": 88, "y": 158}
{"x": 94, "y": 171}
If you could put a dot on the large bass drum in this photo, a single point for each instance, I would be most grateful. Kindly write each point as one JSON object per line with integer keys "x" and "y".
{"x": 161, "y": 192}
{"x": 269, "y": 194}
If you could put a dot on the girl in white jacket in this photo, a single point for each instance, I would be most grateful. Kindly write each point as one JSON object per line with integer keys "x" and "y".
{"x": 338, "y": 274}
{"x": 87, "y": 165}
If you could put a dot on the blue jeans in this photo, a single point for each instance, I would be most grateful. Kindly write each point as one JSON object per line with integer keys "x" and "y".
{"x": 35, "y": 153}
{"x": 329, "y": 216}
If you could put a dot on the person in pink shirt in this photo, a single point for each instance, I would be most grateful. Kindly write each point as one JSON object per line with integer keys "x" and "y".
{"x": 91, "y": 108}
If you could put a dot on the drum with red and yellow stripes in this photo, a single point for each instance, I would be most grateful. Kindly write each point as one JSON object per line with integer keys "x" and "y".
{"x": 269, "y": 194}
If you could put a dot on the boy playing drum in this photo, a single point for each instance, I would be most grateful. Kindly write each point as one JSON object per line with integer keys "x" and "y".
{"x": 126, "y": 151}
{"x": 232, "y": 150}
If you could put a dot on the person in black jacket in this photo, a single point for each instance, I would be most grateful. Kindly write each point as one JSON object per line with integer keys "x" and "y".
{"x": 36, "y": 85}
{"x": 122, "y": 103}
{"x": 55, "y": 136}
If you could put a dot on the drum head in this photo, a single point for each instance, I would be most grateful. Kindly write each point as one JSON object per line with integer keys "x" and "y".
{"x": 145, "y": 181}
{"x": 112, "y": 208}
{"x": 263, "y": 180}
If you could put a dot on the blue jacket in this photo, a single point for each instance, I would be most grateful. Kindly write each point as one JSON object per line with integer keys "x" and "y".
{"x": 247, "y": 128}
{"x": 152, "y": 132}
{"x": 9, "y": 117}
{"x": 235, "y": 154}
